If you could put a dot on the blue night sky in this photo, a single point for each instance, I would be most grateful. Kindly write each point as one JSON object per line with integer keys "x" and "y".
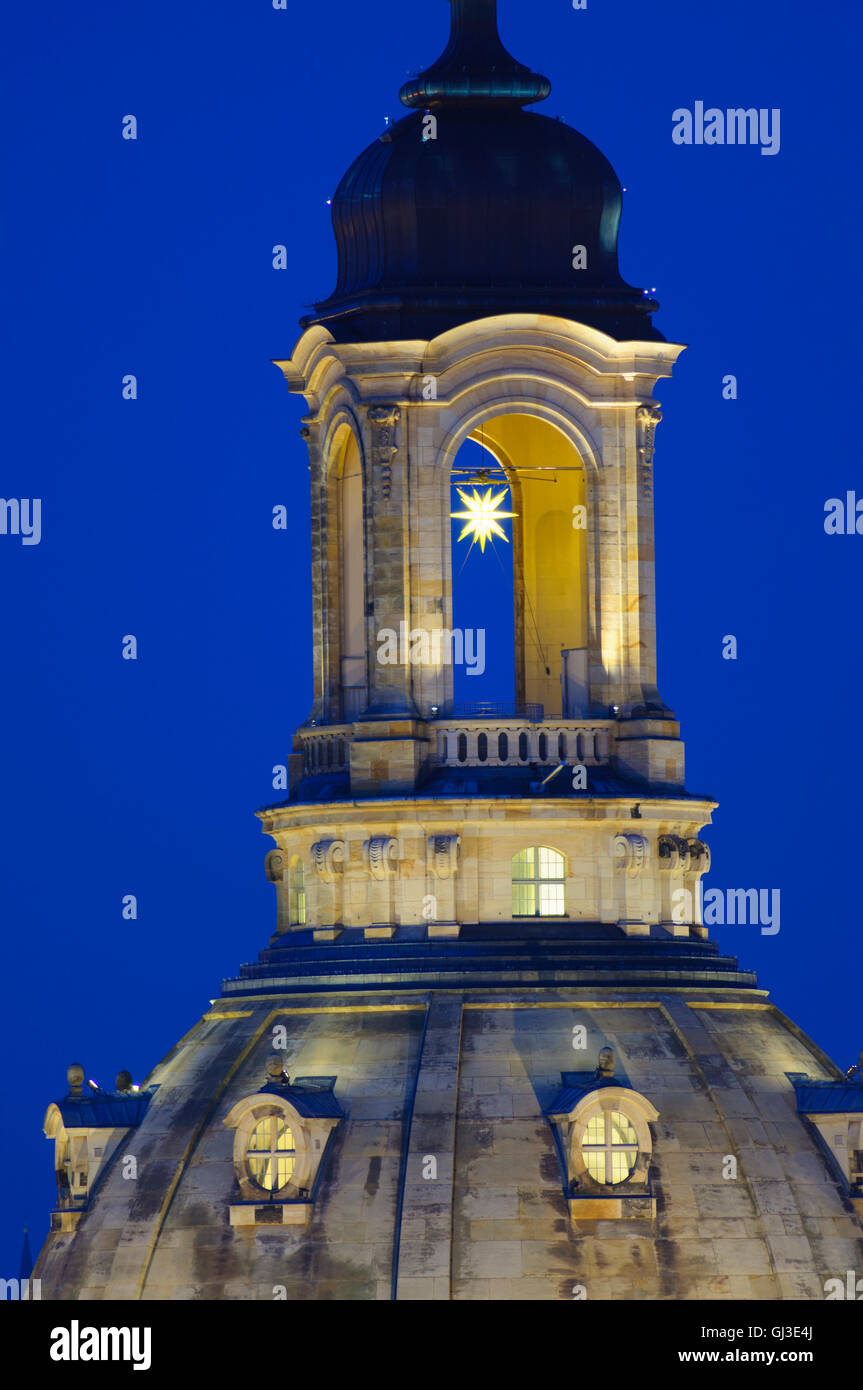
{"x": 154, "y": 257}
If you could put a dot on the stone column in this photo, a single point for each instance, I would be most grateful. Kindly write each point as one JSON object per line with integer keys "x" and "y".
{"x": 276, "y": 868}
{"x": 431, "y": 571}
{"x": 387, "y": 561}
{"x": 630, "y": 857}
{"x": 699, "y": 864}
{"x": 328, "y": 860}
{"x": 389, "y": 743}
{"x": 381, "y": 855}
{"x": 673, "y": 863}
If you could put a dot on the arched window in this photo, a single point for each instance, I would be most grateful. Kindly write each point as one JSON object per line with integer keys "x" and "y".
{"x": 538, "y": 883}
{"x": 297, "y": 894}
{"x": 610, "y": 1147}
{"x": 271, "y": 1153}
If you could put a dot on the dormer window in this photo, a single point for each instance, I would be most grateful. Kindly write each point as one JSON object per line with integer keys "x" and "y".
{"x": 87, "y": 1127}
{"x": 606, "y": 1143}
{"x": 281, "y": 1134}
{"x": 834, "y": 1109}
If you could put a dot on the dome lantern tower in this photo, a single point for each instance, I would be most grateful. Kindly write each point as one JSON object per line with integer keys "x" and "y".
{"x": 489, "y": 1051}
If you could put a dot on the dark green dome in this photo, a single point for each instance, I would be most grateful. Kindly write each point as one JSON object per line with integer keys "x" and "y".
{"x": 479, "y": 212}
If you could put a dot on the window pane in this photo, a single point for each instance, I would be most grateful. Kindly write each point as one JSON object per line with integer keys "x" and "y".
{"x": 524, "y": 864}
{"x": 595, "y": 1132}
{"x": 285, "y": 1167}
{"x": 622, "y": 1163}
{"x": 596, "y": 1164}
{"x": 550, "y": 864}
{"x": 259, "y": 1169}
{"x": 551, "y": 900}
{"x": 523, "y": 900}
{"x": 260, "y": 1137}
{"x": 622, "y": 1131}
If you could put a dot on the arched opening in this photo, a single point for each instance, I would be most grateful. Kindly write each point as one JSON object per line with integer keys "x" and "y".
{"x": 353, "y": 675}
{"x": 483, "y": 659}
{"x": 534, "y": 582}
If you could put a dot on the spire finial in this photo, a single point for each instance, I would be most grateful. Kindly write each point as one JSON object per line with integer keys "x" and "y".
{"x": 25, "y": 1268}
{"x": 475, "y": 68}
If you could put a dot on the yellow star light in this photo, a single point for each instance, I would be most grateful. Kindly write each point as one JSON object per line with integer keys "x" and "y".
{"x": 482, "y": 517}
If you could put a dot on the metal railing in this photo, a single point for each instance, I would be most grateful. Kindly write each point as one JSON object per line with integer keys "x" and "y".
{"x": 485, "y": 709}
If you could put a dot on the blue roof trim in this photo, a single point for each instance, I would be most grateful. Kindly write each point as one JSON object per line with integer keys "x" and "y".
{"x": 578, "y": 1084}
{"x": 826, "y": 1097}
{"x": 104, "y": 1111}
{"x": 311, "y": 1096}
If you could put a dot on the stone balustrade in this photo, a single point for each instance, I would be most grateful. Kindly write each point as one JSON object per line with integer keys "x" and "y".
{"x": 517, "y": 743}
{"x": 325, "y": 748}
{"x": 478, "y": 742}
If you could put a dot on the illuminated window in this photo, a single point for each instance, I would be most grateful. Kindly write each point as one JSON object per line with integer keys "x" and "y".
{"x": 538, "y": 883}
{"x": 271, "y": 1153}
{"x": 610, "y": 1147}
{"x": 298, "y": 894}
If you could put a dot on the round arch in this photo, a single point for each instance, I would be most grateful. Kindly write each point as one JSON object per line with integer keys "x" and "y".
{"x": 550, "y": 464}
{"x": 344, "y": 610}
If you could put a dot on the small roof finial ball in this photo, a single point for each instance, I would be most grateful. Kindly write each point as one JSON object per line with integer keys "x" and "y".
{"x": 606, "y": 1062}
{"x": 75, "y": 1077}
{"x": 124, "y": 1081}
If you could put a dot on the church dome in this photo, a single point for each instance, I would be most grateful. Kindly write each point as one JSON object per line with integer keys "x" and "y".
{"x": 473, "y": 206}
